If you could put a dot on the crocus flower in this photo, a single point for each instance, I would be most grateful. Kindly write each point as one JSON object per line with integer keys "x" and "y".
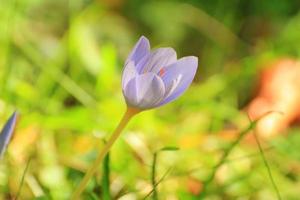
{"x": 7, "y": 132}
{"x": 154, "y": 78}
{"x": 150, "y": 79}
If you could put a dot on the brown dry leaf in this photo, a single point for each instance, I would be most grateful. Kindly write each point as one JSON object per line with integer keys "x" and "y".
{"x": 279, "y": 91}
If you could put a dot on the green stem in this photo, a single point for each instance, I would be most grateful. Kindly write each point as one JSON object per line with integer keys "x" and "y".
{"x": 224, "y": 157}
{"x": 153, "y": 175}
{"x": 105, "y": 179}
{"x": 22, "y": 179}
{"x": 130, "y": 112}
{"x": 267, "y": 166}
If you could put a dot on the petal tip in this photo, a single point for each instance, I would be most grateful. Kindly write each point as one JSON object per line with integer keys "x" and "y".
{"x": 15, "y": 115}
{"x": 192, "y": 61}
{"x": 192, "y": 58}
{"x": 144, "y": 39}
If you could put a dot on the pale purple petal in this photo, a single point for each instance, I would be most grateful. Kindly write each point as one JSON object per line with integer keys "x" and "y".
{"x": 130, "y": 93}
{"x": 144, "y": 91}
{"x": 128, "y": 73}
{"x": 178, "y": 76}
{"x": 159, "y": 58}
{"x": 142, "y": 63}
{"x": 7, "y": 132}
{"x": 151, "y": 79}
{"x": 141, "y": 49}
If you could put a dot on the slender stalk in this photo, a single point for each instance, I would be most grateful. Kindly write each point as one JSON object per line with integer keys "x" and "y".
{"x": 224, "y": 158}
{"x": 267, "y": 166}
{"x": 22, "y": 179}
{"x": 130, "y": 112}
{"x": 105, "y": 178}
{"x": 153, "y": 175}
{"x": 158, "y": 182}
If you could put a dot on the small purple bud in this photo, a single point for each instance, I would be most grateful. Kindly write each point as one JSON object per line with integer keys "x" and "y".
{"x": 154, "y": 78}
{"x": 7, "y": 132}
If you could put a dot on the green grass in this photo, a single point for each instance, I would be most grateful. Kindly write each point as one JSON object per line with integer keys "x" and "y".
{"x": 61, "y": 64}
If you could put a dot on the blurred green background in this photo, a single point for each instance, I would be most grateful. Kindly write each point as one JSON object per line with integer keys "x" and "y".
{"x": 60, "y": 67}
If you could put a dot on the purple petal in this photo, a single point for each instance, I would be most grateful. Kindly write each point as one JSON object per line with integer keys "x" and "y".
{"x": 144, "y": 91}
{"x": 142, "y": 63}
{"x": 159, "y": 58}
{"x": 6, "y": 132}
{"x": 128, "y": 73}
{"x": 141, "y": 49}
{"x": 178, "y": 77}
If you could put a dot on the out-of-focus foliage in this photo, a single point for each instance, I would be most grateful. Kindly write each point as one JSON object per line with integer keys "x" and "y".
{"x": 60, "y": 66}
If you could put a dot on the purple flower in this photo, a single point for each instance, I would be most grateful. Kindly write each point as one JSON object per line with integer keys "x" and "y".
{"x": 6, "y": 132}
{"x": 154, "y": 78}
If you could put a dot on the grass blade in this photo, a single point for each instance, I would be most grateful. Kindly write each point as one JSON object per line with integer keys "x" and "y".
{"x": 224, "y": 157}
{"x": 267, "y": 166}
{"x": 153, "y": 175}
{"x": 158, "y": 182}
{"x": 23, "y": 178}
{"x": 105, "y": 178}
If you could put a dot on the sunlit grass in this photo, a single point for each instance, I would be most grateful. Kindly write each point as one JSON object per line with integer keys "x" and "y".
{"x": 61, "y": 66}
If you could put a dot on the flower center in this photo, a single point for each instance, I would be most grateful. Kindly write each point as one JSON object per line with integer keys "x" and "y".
{"x": 161, "y": 72}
